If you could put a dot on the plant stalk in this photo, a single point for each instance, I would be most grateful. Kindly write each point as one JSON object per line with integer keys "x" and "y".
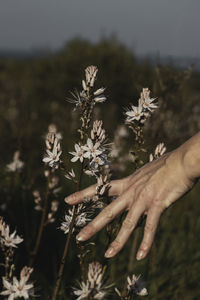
{"x": 41, "y": 228}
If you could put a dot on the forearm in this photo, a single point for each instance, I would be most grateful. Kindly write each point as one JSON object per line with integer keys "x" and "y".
{"x": 190, "y": 153}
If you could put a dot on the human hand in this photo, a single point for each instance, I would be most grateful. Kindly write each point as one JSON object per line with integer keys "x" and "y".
{"x": 149, "y": 190}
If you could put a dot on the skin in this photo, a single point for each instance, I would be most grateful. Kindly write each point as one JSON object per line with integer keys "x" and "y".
{"x": 150, "y": 190}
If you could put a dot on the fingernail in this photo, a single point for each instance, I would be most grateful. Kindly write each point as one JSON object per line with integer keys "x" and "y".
{"x": 80, "y": 237}
{"x": 140, "y": 255}
{"x": 67, "y": 200}
{"x": 109, "y": 252}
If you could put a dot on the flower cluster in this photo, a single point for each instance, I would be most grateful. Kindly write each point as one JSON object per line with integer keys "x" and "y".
{"x": 93, "y": 287}
{"x": 88, "y": 97}
{"x": 94, "y": 150}
{"x": 53, "y": 210}
{"x": 8, "y": 239}
{"x": 16, "y": 165}
{"x": 53, "y": 150}
{"x": 135, "y": 286}
{"x": 19, "y": 288}
{"x": 141, "y": 112}
{"x": 80, "y": 220}
{"x": 37, "y": 200}
{"x": 159, "y": 151}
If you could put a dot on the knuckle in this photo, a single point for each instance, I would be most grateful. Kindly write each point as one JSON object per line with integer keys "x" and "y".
{"x": 108, "y": 213}
{"x": 149, "y": 228}
{"x": 129, "y": 224}
{"x": 75, "y": 196}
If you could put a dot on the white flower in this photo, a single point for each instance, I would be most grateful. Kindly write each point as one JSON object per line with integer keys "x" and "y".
{"x": 53, "y": 157}
{"x": 136, "y": 285}
{"x": 83, "y": 292}
{"x": 102, "y": 185}
{"x": 100, "y": 295}
{"x": 159, "y": 151}
{"x": 96, "y": 162}
{"x": 147, "y": 101}
{"x": 10, "y": 240}
{"x": 135, "y": 114}
{"x": 99, "y": 91}
{"x": 70, "y": 175}
{"x": 93, "y": 286}
{"x": 16, "y": 164}
{"x": 9, "y": 289}
{"x": 91, "y": 151}
{"x": 78, "y": 155}
{"x": 100, "y": 99}
{"x": 53, "y": 129}
{"x": 84, "y": 85}
{"x": 90, "y": 74}
{"x": 97, "y": 132}
{"x": 19, "y": 288}
{"x": 80, "y": 221}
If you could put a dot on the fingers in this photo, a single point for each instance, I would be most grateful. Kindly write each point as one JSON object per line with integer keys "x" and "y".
{"x": 153, "y": 217}
{"x": 106, "y": 216}
{"x": 127, "y": 227}
{"x": 115, "y": 189}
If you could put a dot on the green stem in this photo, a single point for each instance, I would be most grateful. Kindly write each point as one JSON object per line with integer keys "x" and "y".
{"x": 62, "y": 264}
{"x": 41, "y": 228}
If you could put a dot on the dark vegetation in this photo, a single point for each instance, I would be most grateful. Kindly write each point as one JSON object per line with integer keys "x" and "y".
{"x": 33, "y": 94}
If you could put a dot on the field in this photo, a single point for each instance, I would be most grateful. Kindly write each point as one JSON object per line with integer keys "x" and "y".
{"x": 34, "y": 93}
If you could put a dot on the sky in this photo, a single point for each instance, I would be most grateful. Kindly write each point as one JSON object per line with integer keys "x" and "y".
{"x": 167, "y": 27}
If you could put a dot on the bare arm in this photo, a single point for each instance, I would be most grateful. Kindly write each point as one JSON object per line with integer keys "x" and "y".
{"x": 149, "y": 190}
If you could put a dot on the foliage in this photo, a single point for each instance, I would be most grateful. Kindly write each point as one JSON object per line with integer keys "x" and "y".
{"x": 32, "y": 95}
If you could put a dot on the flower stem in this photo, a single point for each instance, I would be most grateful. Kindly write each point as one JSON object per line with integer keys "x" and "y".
{"x": 62, "y": 264}
{"x": 41, "y": 228}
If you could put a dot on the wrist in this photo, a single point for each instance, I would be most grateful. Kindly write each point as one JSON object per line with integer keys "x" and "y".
{"x": 190, "y": 157}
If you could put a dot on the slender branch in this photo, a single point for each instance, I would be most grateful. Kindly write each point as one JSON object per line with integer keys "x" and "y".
{"x": 41, "y": 228}
{"x": 62, "y": 264}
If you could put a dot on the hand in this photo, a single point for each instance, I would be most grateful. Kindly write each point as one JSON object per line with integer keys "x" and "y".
{"x": 150, "y": 190}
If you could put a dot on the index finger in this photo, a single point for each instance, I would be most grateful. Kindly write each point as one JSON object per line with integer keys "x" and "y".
{"x": 76, "y": 198}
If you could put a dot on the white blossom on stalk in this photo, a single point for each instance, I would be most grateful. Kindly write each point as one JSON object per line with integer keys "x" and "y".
{"x": 83, "y": 292}
{"x": 99, "y": 92}
{"x": 18, "y": 288}
{"x": 78, "y": 155}
{"x": 51, "y": 214}
{"x": 53, "y": 129}
{"x": 94, "y": 285}
{"x": 53, "y": 156}
{"x": 100, "y": 99}
{"x": 16, "y": 165}
{"x": 103, "y": 185}
{"x": 136, "y": 285}
{"x": 135, "y": 113}
{"x": 37, "y": 200}
{"x": 91, "y": 150}
{"x": 96, "y": 162}
{"x": 147, "y": 102}
{"x": 145, "y": 106}
{"x": 97, "y": 132}
{"x": 159, "y": 151}
{"x": 90, "y": 74}
{"x": 70, "y": 175}
{"x": 10, "y": 240}
{"x": 80, "y": 221}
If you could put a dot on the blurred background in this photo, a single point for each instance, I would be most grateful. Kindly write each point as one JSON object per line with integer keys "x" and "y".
{"x": 44, "y": 48}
